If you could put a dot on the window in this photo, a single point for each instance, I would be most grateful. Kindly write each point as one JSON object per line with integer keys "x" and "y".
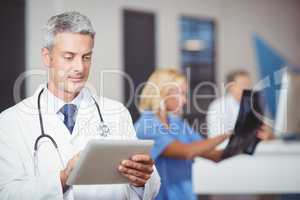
{"x": 197, "y": 43}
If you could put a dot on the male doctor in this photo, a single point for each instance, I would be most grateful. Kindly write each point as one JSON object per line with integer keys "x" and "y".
{"x": 223, "y": 112}
{"x": 69, "y": 115}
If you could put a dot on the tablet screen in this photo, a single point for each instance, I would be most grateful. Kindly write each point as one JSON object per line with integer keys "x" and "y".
{"x": 99, "y": 161}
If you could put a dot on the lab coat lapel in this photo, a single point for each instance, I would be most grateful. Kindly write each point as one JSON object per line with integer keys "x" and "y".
{"x": 55, "y": 127}
{"x": 85, "y": 125}
{"x": 48, "y": 159}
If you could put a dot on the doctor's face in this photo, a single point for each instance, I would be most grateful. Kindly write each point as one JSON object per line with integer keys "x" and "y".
{"x": 69, "y": 62}
{"x": 240, "y": 83}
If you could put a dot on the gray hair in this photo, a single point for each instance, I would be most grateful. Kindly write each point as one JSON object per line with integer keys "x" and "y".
{"x": 234, "y": 74}
{"x": 72, "y": 22}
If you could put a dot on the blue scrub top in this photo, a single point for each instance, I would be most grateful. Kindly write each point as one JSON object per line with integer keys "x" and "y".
{"x": 176, "y": 174}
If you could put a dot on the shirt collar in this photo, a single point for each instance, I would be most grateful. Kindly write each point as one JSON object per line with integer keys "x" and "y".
{"x": 54, "y": 104}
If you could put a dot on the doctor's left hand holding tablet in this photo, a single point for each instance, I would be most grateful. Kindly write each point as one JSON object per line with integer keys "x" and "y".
{"x": 39, "y": 135}
{"x": 138, "y": 169}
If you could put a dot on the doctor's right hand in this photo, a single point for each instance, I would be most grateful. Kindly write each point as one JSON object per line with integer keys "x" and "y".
{"x": 64, "y": 174}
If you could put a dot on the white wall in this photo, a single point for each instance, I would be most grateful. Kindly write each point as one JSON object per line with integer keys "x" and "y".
{"x": 276, "y": 20}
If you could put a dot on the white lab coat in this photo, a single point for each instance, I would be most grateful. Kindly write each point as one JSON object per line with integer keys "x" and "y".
{"x": 19, "y": 128}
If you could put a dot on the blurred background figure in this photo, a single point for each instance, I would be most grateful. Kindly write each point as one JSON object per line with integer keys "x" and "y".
{"x": 176, "y": 143}
{"x": 223, "y": 112}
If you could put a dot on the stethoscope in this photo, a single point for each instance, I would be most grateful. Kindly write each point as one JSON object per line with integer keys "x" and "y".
{"x": 103, "y": 129}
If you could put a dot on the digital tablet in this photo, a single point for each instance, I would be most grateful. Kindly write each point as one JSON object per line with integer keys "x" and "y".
{"x": 243, "y": 139}
{"x": 98, "y": 162}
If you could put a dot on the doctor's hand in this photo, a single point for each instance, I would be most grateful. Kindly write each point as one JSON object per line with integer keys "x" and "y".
{"x": 64, "y": 174}
{"x": 137, "y": 170}
{"x": 265, "y": 133}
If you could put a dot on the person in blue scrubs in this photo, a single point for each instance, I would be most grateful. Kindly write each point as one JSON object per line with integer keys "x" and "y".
{"x": 176, "y": 143}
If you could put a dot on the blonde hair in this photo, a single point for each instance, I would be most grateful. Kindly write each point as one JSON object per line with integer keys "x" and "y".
{"x": 157, "y": 88}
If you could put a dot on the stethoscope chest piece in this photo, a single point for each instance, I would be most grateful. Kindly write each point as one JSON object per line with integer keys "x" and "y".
{"x": 103, "y": 130}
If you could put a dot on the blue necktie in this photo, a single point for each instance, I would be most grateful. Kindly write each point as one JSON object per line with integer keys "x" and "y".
{"x": 69, "y": 110}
